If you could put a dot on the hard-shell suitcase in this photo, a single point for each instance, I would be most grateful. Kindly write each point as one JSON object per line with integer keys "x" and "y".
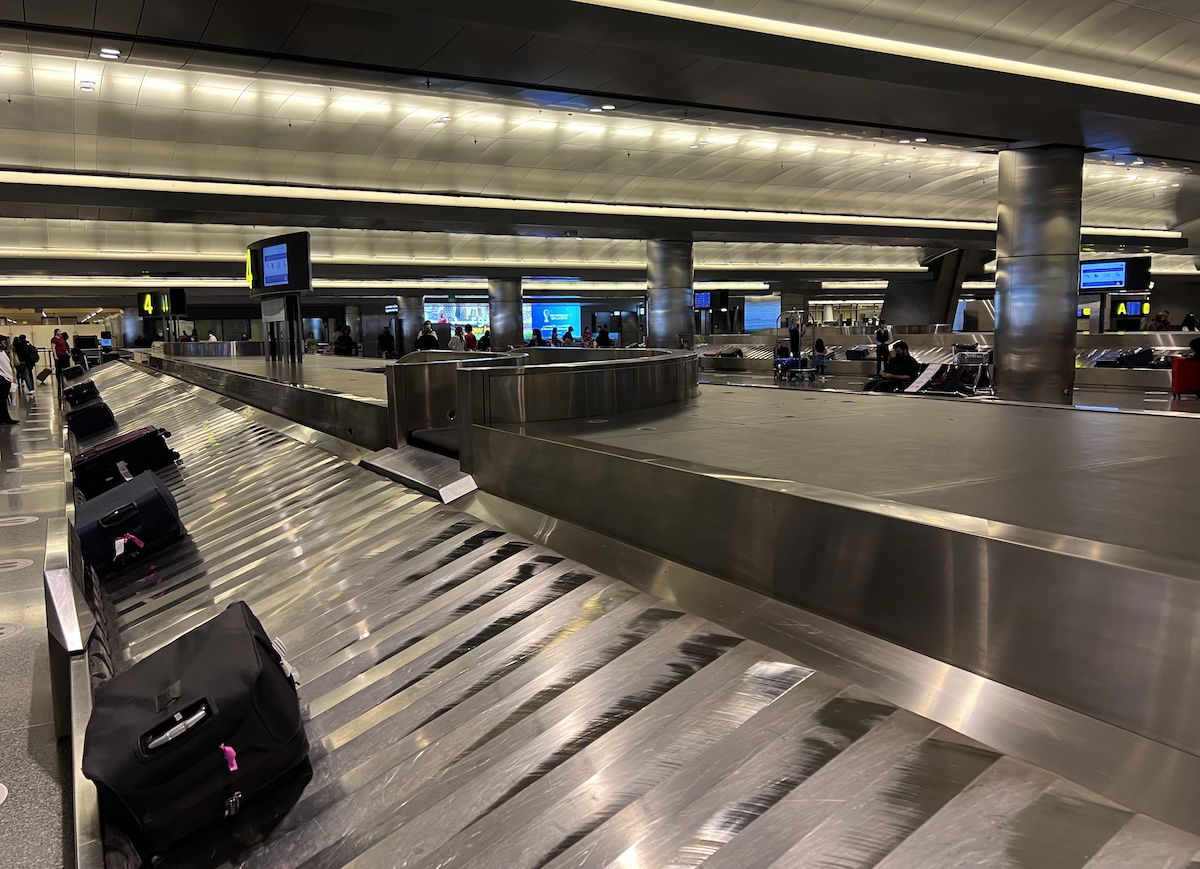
{"x": 81, "y": 392}
{"x": 89, "y": 419}
{"x": 1185, "y": 376}
{"x": 72, "y": 372}
{"x": 121, "y": 458}
{"x": 858, "y": 354}
{"x": 125, "y": 522}
{"x": 185, "y": 736}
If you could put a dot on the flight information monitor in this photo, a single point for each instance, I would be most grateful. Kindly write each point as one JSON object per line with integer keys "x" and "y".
{"x": 702, "y": 299}
{"x": 1102, "y": 276}
{"x": 1131, "y": 275}
{"x": 275, "y": 265}
{"x": 281, "y": 264}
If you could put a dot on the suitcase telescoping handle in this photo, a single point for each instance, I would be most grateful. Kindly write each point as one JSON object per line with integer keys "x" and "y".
{"x": 120, "y": 516}
{"x": 173, "y": 728}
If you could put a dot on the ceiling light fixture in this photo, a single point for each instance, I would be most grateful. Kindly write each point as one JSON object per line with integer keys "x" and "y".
{"x": 608, "y": 108}
{"x": 906, "y": 141}
{"x": 110, "y": 53}
{"x": 87, "y": 85}
{"x": 595, "y": 109}
{"x": 921, "y": 139}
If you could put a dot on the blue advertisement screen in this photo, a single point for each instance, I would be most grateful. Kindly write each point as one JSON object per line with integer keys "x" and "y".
{"x": 275, "y": 265}
{"x": 762, "y": 312}
{"x": 549, "y": 317}
{"x": 702, "y": 300}
{"x": 1102, "y": 276}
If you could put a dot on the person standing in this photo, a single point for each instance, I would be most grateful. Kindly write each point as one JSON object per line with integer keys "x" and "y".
{"x": 26, "y": 357}
{"x": 7, "y": 379}
{"x": 485, "y": 342}
{"x": 1189, "y": 323}
{"x": 386, "y": 343}
{"x": 568, "y": 339}
{"x": 794, "y": 333}
{"x": 883, "y": 338}
{"x": 343, "y": 344}
{"x": 457, "y": 342}
{"x": 470, "y": 342}
{"x": 428, "y": 339}
{"x": 62, "y": 354}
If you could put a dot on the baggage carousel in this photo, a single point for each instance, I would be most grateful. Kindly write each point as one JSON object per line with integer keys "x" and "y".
{"x": 474, "y": 699}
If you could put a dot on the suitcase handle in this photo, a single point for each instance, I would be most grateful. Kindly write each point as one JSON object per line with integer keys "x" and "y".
{"x": 178, "y": 725}
{"x": 119, "y": 516}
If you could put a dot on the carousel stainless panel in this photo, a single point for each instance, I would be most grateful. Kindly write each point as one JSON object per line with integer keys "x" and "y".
{"x": 475, "y": 699}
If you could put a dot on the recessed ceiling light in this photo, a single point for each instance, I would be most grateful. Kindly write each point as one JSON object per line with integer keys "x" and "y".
{"x": 1176, "y": 184}
{"x": 906, "y": 141}
{"x": 595, "y": 109}
{"x": 87, "y": 86}
{"x": 608, "y": 108}
{"x": 1138, "y": 161}
{"x": 693, "y": 146}
{"x": 110, "y": 52}
{"x": 703, "y": 142}
{"x": 920, "y": 139}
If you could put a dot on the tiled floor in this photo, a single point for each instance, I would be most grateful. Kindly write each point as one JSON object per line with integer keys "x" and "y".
{"x": 32, "y": 763}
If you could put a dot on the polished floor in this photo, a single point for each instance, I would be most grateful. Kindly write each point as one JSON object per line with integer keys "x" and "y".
{"x": 1156, "y": 400}
{"x": 475, "y": 700}
{"x": 32, "y": 765}
{"x": 1071, "y": 472}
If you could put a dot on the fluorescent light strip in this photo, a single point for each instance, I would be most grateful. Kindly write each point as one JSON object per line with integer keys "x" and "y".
{"x": 226, "y": 188}
{"x": 809, "y": 33}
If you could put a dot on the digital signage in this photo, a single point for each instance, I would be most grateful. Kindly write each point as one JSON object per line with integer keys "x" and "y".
{"x": 702, "y": 299}
{"x": 280, "y": 264}
{"x": 156, "y": 303}
{"x": 1131, "y": 275}
{"x": 1130, "y": 307}
{"x": 459, "y": 314}
{"x": 550, "y": 317}
{"x": 762, "y": 312}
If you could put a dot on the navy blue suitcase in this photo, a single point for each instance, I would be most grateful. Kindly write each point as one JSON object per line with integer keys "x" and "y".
{"x": 89, "y": 419}
{"x": 120, "y": 525}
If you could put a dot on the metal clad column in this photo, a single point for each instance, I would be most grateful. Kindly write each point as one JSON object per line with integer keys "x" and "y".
{"x": 1037, "y": 273}
{"x": 669, "y": 299}
{"x": 504, "y": 307}
{"x": 410, "y": 316}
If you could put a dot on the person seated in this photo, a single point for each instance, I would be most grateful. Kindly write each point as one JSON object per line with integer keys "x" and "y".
{"x": 428, "y": 339}
{"x": 899, "y": 371}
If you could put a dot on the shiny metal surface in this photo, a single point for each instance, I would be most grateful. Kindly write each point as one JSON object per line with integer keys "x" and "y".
{"x": 357, "y": 419}
{"x": 1037, "y": 273}
{"x": 410, "y": 316}
{"x": 429, "y": 473}
{"x": 669, "y": 319}
{"x": 972, "y": 564}
{"x": 211, "y": 349}
{"x": 422, "y": 390}
{"x": 504, "y": 312}
{"x": 474, "y": 699}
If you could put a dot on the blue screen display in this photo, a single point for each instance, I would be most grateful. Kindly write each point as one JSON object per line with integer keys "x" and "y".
{"x": 702, "y": 299}
{"x": 548, "y": 317}
{"x": 1102, "y": 276}
{"x": 275, "y": 265}
{"x": 762, "y": 312}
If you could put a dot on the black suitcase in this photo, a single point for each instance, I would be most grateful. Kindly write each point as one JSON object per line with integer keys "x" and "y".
{"x": 72, "y": 372}
{"x": 81, "y": 392}
{"x": 185, "y": 736}
{"x": 120, "y": 458}
{"x": 89, "y": 419}
{"x": 122, "y": 524}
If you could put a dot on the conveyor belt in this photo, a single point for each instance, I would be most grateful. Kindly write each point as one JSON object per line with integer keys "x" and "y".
{"x": 474, "y": 700}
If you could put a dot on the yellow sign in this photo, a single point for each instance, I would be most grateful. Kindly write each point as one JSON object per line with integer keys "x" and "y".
{"x": 1121, "y": 310}
{"x": 154, "y": 304}
{"x": 249, "y": 273}
{"x": 1087, "y": 312}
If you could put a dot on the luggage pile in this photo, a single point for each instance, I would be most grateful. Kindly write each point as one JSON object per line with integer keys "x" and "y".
{"x": 204, "y": 735}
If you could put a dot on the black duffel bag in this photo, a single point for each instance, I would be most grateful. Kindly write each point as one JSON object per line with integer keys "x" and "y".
{"x": 189, "y": 735}
{"x": 81, "y": 392}
{"x": 89, "y": 419}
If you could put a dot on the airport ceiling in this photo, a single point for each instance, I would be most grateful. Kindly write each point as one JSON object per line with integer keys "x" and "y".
{"x": 834, "y": 123}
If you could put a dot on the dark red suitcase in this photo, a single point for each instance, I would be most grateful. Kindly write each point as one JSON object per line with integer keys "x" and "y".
{"x": 109, "y": 464}
{"x": 1185, "y": 376}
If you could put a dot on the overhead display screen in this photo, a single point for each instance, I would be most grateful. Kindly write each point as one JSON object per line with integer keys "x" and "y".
{"x": 281, "y": 264}
{"x": 702, "y": 299}
{"x": 154, "y": 304}
{"x": 458, "y": 314}
{"x": 1102, "y": 276}
{"x": 1131, "y": 274}
{"x": 275, "y": 265}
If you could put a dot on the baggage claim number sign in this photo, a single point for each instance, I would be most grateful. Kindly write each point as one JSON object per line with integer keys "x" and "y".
{"x": 154, "y": 304}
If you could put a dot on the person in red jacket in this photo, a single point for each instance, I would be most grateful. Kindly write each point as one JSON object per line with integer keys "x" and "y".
{"x": 62, "y": 354}
{"x": 470, "y": 342}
